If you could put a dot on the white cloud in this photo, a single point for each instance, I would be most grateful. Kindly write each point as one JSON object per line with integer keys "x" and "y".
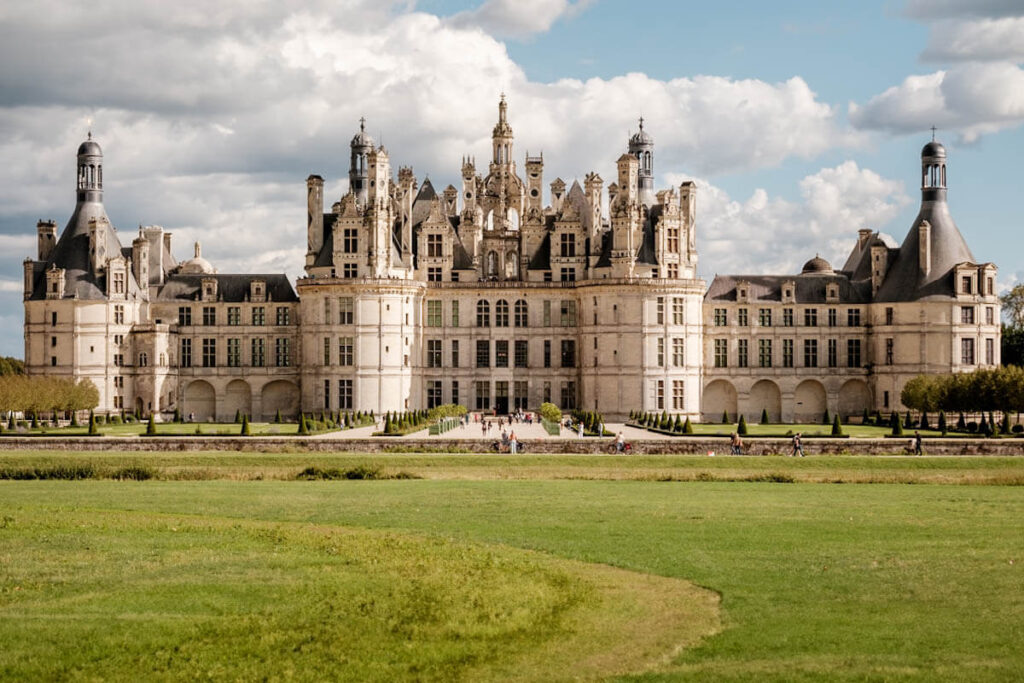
{"x": 983, "y": 40}
{"x": 973, "y": 99}
{"x": 944, "y": 9}
{"x": 764, "y": 234}
{"x": 518, "y": 18}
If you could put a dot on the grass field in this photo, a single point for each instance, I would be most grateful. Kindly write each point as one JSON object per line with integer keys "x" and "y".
{"x": 466, "y": 576}
{"x": 168, "y": 428}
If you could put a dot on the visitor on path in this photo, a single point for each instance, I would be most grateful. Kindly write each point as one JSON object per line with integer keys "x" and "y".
{"x": 798, "y": 446}
{"x": 737, "y": 444}
{"x": 579, "y": 428}
{"x": 620, "y": 443}
{"x": 483, "y": 427}
{"x": 513, "y": 443}
{"x": 917, "y": 444}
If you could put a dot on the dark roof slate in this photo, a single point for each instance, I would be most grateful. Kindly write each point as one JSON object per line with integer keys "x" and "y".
{"x": 230, "y": 287}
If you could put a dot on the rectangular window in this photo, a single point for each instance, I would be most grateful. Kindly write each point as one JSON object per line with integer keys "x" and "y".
{"x": 741, "y": 317}
{"x": 119, "y": 314}
{"x": 344, "y": 394}
{"x": 966, "y": 284}
{"x": 209, "y": 353}
{"x": 678, "y": 311}
{"x": 327, "y": 394}
{"x": 764, "y": 353}
{"x": 234, "y": 315}
{"x": 483, "y": 395}
{"x": 678, "y": 355}
{"x": 833, "y": 317}
{"x": 721, "y": 353}
{"x": 659, "y": 394}
{"x": 547, "y": 353}
{"x": 483, "y": 314}
{"x": 967, "y": 351}
{"x": 721, "y": 317}
{"x": 568, "y": 275}
{"x": 810, "y": 353}
{"x": 435, "y": 274}
{"x": 787, "y": 317}
{"x": 853, "y": 317}
{"x": 350, "y": 240}
{"x": 990, "y": 351}
{"x": 522, "y": 397}
{"x": 186, "y": 353}
{"x": 569, "y": 395}
{"x": 522, "y": 353}
{"x": 989, "y": 316}
{"x": 888, "y": 351}
{"x": 433, "y": 353}
{"x": 119, "y": 357}
{"x": 455, "y": 353}
{"x": 501, "y": 353}
{"x": 327, "y": 311}
{"x": 434, "y": 313}
{"x": 434, "y": 246}
{"x": 483, "y": 353}
{"x": 283, "y": 315}
{"x": 118, "y": 283}
{"x": 185, "y": 316}
{"x": 547, "y": 392}
{"x": 455, "y": 393}
{"x": 853, "y": 353}
{"x": 234, "y": 353}
{"x": 742, "y": 353}
{"x": 209, "y": 315}
{"x": 568, "y": 245}
{"x": 346, "y": 354}
{"x": 967, "y": 315}
{"x": 885, "y": 399}
{"x": 568, "y": 353}
{"x": 327, "y": 350}
{"x": 547, "y": 314}
{"x": 787, "y": 353}
{"x": 661, "y": 352}
{"x": 349, "y": 271}
{"x": 434, "y": 393}
{"x": 833, "y": 353}
{"x": 661, "y": 310}
{"x": 258, "y": 355}
{"x": 455, "y": 314}
{"x": 568, "y": 313}
{"x": 810, "y": 317}
{"x": 53, "y": 318}
{"x": 259, "y": 315}
{"x": 282, "y": 352}
{"x": 677, "y": 395}
{"x": 346, "y": 310}
{"x": 889, "y": 315}
{"x": 764, "y": 317}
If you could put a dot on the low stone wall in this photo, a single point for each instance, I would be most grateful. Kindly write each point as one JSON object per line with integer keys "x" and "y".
{"x": 681, "y": 445}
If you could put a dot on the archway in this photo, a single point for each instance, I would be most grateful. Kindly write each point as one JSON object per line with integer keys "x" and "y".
{"x": 279, "y": 395}
{"x": 810, "y": 401}
{"x": 854, "y": 398}
{"x": 719, "y": 397}
{"x": 200, "y": 401}
{"x": 511, "y": 266}
{"x": 765, "y": 396}
{"x": 237, "y": 398}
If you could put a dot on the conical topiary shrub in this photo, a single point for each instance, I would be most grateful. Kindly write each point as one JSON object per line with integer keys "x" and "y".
{"x": 837, "y": 426}
{"x": 942, "y": 422}
{"x": 741, "y": 428}
{"x": 826, "y": 418}
{"x": 924, "y": 421}
{"x": 961, "y": 423}
{"x": 764, "y": 416}
{"x": 1004, "y": 427}
{"x": 725, "y": 417}
{"x": 897, "y": 426}
{"x": 303, "y": 428}
{"x": 687, "y": 427}
{"x": 92, "y": 424}
{"x": 150, "y": 426}
{"x": 908, "y": 421}
{"x": 238, "y": 416}
{"x": 246, "y": 429}
{"x": 277, "y": 417}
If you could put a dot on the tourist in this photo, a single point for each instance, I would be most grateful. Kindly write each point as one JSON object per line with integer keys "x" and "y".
{"x": 737, "y": 444}
{"x": 917, "y": 444}
{"x": 579, "y": 428}
{"x": 513, "y": 442}
{"x": 620, "y": 443}
{"x": 798, "y": 447}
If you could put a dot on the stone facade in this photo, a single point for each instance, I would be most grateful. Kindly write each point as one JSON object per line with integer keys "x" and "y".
{"x": 491, "y": 297}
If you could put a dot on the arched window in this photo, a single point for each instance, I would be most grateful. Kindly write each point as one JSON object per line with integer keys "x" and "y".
{"x": 490, "y": 220}
{"x": 511, "y": 266}
{"x": 483, "y": 314}
{"x": 513, "y": 218}
{"x": 522, "y": 318}
{"x": 143, "y": 360}
{"x": 492, "y": 261}
{"x": 501, "y": 313}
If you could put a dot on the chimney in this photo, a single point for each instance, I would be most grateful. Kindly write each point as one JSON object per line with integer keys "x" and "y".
{"x": 924, "y": 247}
{"x": 879, "y": 265}
{"x": 863, "y": 235}
{"x": 47, "y": 232}
{"x": 314, "y": 217}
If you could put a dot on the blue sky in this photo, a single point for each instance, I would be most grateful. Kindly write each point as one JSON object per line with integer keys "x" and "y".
{"x": 800, "y": 121}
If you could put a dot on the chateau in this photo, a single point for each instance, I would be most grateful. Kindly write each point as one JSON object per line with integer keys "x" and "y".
{"x": 487, "y": 296}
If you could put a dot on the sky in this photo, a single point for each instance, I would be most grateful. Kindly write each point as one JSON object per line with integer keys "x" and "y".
{"x": 800, "y": 122}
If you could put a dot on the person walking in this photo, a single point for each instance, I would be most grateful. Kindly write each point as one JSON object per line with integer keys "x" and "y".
{"x": 513, "y": 443}
{"x": 917, "y": 444}
{"x": 737, "y": 444}
{"x": 620, "y": 443}
{"x": 579, "y": 428}
{"x": 798, "y": 447}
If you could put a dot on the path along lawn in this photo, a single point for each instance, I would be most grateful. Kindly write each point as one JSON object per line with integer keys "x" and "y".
{"x": 817, "y": 581}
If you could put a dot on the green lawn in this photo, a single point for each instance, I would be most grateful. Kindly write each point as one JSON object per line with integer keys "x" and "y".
{"x": 174, "y": 428}
{"x": 483, "y": 580}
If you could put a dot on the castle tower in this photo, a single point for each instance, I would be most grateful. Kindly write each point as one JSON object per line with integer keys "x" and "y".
{"x": 534, "y": 183}
{"x": 358, "y": 170}
{"x": 90, "y": 172}
{"x": 641, "y": 145}
{"x": 501, "y": 138}
{"x": 314, "y": 218}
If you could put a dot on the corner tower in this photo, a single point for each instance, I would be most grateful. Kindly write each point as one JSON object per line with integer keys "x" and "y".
{"x": 641, "y": 146}
{"x": 358, "y": 170}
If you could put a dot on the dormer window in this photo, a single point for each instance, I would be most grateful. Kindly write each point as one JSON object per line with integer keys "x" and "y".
{"x": 967, "y": 284}
{"x": 209, "y": 289}
{"x": 258, "y": 291}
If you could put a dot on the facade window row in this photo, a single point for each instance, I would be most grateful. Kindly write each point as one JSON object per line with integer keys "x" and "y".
{"x": 257, "y": 315}
{"x": 206, "y": 354}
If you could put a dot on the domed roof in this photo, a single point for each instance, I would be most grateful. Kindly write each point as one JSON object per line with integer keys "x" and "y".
{"x": 641, "y": 137}
{"x": 361, "y": 139}
{"x": 933, "y": 149}
{"x": 817, "y": 265}
{"x": 90, "y": 148}
{"x": 197, "y": 265}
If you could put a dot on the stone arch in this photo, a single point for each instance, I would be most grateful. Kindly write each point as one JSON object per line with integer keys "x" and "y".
{"x": 854, "y": 398}
{"x": 719, "y": 397}
{"x": 512, "y": 266}
{"x": 237, "y": 398}
{"x": 279, "y": 395}
{"x": 809, "y": 401}
{"x": 200, "y": 401}
{"x": 492, "y": 264}
{"x": 765, "y": 395}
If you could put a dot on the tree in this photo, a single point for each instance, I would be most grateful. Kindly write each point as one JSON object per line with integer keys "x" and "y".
{"x": 837, "y": 427}
{"x": 764, "y": 416}
{"x": 687, "y": 427}
{"x": 303, "y": 428}
{"x": 1013, "y": 306}
{"x": 151, "y": 426}
{"x": 826, "y": 418}
{"x": 246, "y": 430}
{"x": 741, "y": 428}
{"x": 894, "y": 422}
{"x": 92, "y": 424}
{"x": 942, "y": 422}
{"x": 725, "y": 417}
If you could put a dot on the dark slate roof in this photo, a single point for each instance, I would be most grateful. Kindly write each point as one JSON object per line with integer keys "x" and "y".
{"x": 72, "y": 254}
{"x": 421, "y": 205}
{"x": 230, "y": 287}
{"x": 810, "y": 289}
{"x": 326, "y": 256}
{"x": 904, "y": 280}
{"x": 460, "y": 258}
{"x": 541, "y": 260}
{"x": 605, "y": 259}
{"x": 646, "y": 253}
